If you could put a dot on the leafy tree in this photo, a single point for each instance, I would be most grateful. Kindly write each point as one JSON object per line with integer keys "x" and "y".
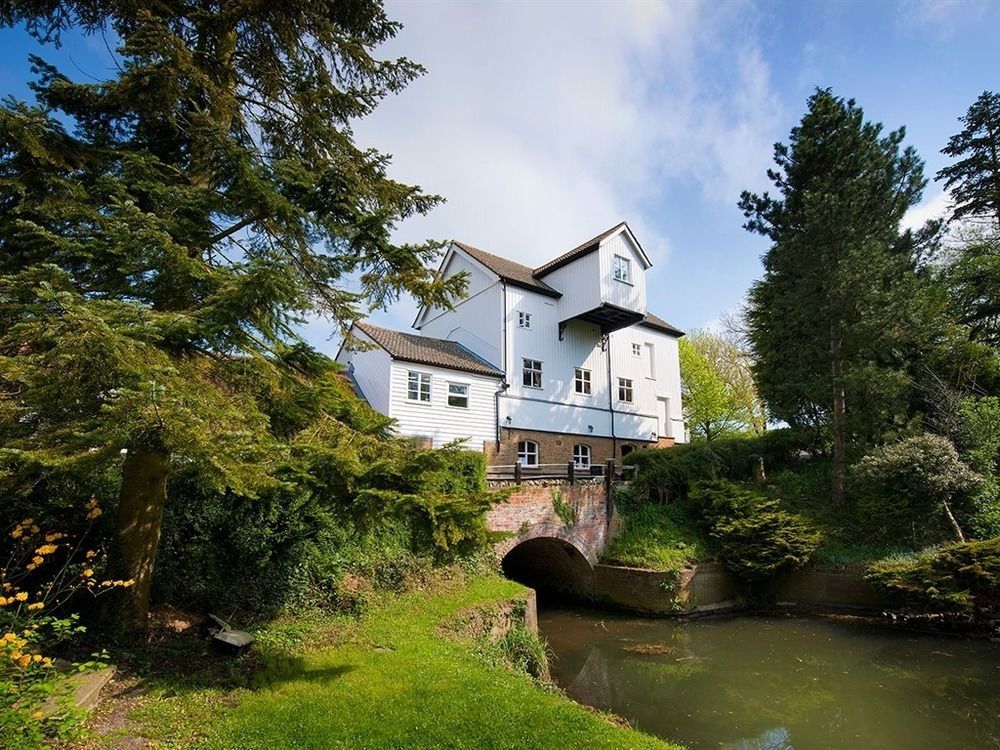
{"x": 717, "y": 386}
{"x": 840, "y": 311}
{"x": 974, "y": 180}
{"x": 916, "y": 479}
{"x": 163, "y": 232}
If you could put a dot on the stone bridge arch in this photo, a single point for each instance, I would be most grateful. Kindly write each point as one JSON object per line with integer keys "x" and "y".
{"x": 549, "y": 547}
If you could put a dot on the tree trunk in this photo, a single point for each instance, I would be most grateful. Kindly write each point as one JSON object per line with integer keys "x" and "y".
{"x": 838, "y": 425}
{"x": 140, "y": 514}
{"x": 954, "y": 523}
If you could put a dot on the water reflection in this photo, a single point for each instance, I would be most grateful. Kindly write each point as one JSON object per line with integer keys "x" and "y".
{"x": 780, "y": 683}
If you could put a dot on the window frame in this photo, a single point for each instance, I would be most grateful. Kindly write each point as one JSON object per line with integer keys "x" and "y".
{"x": 416, "y": 395}
{"x": 621, "y": 269}
{"x": 579, "y": 380}
{"x": 526, "y": 449}
{"x": 524, "y": 320}
{"x": 578, "y": 456}
{"x": 626, "y": 386}
{"x": 467, "y": 396}
{"x": 531, "y": 373}
{"x": 636, "y": 349}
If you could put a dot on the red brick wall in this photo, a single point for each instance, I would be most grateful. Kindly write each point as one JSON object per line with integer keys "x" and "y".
{"x": 556, "y": 447}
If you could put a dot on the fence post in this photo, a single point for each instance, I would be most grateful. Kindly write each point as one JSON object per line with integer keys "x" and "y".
{"x": 517, "y": 472}
{"x": 609, "y": 482}
{"x": 571, "y": 471}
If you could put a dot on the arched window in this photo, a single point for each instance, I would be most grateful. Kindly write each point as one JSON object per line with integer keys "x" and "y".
{"x": 527, "y": 453}
{"x": 581, "y": 456}
{"x": 626, "y": 449}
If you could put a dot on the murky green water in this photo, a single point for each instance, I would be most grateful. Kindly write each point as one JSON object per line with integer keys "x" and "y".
{"x": 757, "y": 683}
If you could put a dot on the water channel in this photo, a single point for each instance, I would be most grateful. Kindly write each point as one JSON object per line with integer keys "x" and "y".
{"x": 779, "y": 683}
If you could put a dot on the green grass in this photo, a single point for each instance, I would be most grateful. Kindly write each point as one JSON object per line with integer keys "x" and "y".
{"x": 659, "y": 537}
{"x": 388, "y": 680}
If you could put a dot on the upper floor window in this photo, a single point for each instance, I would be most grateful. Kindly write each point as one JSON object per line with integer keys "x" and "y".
{"x": 527, "y": 453}
{"x": 458, "y": 395}
{"x": 622, "y": 269}
{"x": 581, "y": 381}
{"x": 636, "y": 350}
{"x": 418, "y": 386}
{"x": 625, "y": 390}
{"x": 581, "y": 456}
{"x": 524, "y": 319}
{"x": 531, "y": 373}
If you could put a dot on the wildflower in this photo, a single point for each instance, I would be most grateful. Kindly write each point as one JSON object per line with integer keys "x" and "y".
{"x": 24, "y": 661}
{"x": 36, "y": 606}
{"x": 54, "y": 537}
{"x": 37, "y": 560}
{"x": 36, "y": 658}
{"x": 30, "y": 566}
{"x": 91, "y": 554}
{"x": 94, "y": 513}
{"x": 46, "y": 661}
{"x": 21, "y": 596}
{"x": 7, "y": 637}
{"x": 46, "y": 549}
{"x": 17, "y": 533}
{"x": 4, "y": 601}
{"x": 88, "y": 573}
{"x": 37, "y": 715}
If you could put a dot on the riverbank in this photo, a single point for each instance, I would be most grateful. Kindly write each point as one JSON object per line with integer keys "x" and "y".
{"x": 389, "y": 679}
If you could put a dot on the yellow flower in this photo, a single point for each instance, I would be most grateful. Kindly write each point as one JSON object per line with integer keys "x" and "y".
{"x": 94, "y": 513}
{"x": 27, "y": 522}
{"x": 21, "y": 596}
{"x": 91, "y": 554}
{"x": 7, "y": 637}
{"x": 4, "y": 600}
{"x": 46, "y": 549}
{"x": 36, "y": 605}
{"x": 30, "y": 566}
{"x": 17, "y": 533}
{"x": 24, "y": 661}
{"x": 37, "y": 560}
{"x": 37, "y": 716}
{"x": 88, "y": 573}
{"x": 36, "y": 658}
{"x": 54, "y": 537}
{"x": 46, "y": 662}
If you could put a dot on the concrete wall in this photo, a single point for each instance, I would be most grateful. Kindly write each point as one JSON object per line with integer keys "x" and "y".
{"x": 839, "y": 586}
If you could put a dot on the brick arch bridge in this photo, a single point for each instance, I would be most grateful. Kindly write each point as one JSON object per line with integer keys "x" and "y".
{"x": 557, "y": 533}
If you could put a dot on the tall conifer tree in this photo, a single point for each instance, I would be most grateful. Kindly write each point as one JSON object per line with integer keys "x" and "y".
{"x": 163, "y": 232}
{"x": 828, "y": 319}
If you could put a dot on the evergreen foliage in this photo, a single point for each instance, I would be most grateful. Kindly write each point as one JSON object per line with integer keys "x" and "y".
{"x": 842, "y": 309}
{"x": 164, "y": 231}
{"x": 974, "y": 180}
{"x": 755, "y": 538}
{"x": 962, "y": 577}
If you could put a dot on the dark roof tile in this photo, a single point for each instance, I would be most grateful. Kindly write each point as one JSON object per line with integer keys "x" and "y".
{"x": 424, "y": 350}
{"x": 516, "y": 273}
{"x": 659, "y": 324}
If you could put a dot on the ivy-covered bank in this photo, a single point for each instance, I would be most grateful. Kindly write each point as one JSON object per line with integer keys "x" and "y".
{"x": 396, "y": 677}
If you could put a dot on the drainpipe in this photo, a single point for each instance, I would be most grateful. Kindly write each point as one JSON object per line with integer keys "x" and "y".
{"x": 504, "y": 385}
{"x": 611, "y": 398}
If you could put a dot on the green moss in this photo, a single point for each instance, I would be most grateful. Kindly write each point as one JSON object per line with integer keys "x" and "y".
{"x": 659, "y": 537}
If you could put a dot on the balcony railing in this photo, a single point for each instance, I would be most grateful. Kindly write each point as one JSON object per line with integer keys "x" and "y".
{"x": 611, "y": 472}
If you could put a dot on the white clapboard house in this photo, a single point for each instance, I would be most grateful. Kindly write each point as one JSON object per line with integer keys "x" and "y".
{"x": 535, "y": 365}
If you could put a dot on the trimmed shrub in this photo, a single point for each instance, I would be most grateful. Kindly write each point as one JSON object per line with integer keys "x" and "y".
{"x": 756, "y": 539}
{"x": 666, "y": 474}
{"x": 963, "y": 578}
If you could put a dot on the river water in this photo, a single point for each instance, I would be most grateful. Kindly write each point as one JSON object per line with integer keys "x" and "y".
{"x": 779, "y": 683}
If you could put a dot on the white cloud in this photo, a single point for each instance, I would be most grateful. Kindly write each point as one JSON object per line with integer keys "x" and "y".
{"x": 936, "y": 206}
{"x": 941, "y": 17}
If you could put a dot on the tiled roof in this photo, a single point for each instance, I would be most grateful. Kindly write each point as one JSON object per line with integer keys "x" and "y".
{"x": 577, "y": 252}
{"x": 516, "y": 273}
{"x": 659, "y": 324}
{"x": 427, "y": 351}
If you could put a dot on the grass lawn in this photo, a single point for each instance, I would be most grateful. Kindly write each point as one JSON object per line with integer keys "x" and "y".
{"x": 388, "y": 680}
{"x": 658, "y": 537}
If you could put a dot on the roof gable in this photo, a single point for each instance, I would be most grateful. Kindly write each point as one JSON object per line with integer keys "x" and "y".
{"x": 590, "y": 246}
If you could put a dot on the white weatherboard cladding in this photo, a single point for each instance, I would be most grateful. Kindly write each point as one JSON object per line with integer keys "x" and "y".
{"x": 649, "y": 392}
{"x": 580, "y": 284}
{"x": 476, "y": 323}
{"x": 631, "y": 296}
{"x": 370, "y": 370}
{"x": 437, "y": 420}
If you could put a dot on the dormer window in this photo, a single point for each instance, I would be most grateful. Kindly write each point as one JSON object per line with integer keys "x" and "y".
{"x": 622, "y": 269}
{"x": 524, "y": 320}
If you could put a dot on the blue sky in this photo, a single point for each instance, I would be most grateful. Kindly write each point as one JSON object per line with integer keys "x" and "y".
{"x": 544, "y": 123}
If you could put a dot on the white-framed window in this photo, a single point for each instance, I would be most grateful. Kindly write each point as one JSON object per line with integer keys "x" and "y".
{"x": 531, "y": 373}
{"x": 581, "y": 456}
{"x": 418, "y": 386}
{"x": 527, "y": 453}
{"x": 581, "y": 381}
{"x": 458, "y": 395}
{"x": 651, "y": 364}
{"x": 636, "y": 350}
{"x": 622, "y": 269}
{"x": 625, "y": 390}
{"x": 524, "y": 319}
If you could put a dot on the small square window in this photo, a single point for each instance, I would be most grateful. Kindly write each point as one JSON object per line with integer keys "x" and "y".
{"x": 625, "y": 390}
{"x": 418, "y": 387}
{"x": 636, "y": 350}
{"x": 524, "y": 320}
{"x": 458, "y": 395}
{"x": 581, "y": 381}
{"x": 531, "y": 373}
{"x": 622, "y": 269}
